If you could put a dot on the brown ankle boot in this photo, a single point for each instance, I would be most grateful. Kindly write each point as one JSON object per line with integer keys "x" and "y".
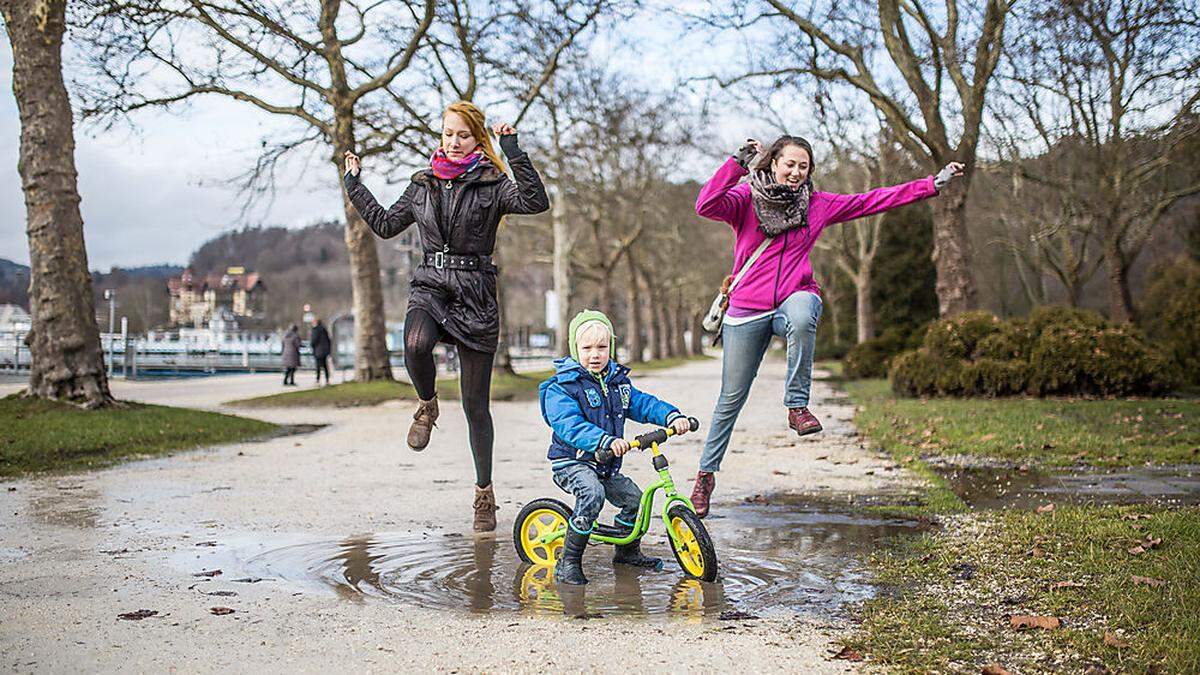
{"x": 424, "y": 420}
{"x": 485, "y": 509}
{"x": 702, "y": 493}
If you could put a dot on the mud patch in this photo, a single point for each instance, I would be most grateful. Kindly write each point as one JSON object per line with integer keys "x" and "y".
{"x": 989, "y": 487}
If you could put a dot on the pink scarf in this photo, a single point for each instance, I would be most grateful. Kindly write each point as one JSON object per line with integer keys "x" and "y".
{"x": 449, "y": 169}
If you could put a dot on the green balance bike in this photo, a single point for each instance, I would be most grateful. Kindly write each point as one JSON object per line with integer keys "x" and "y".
{"x": 540, "y": 527}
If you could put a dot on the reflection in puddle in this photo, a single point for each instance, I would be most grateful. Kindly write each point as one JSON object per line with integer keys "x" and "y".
{"x": 773, "y": 559}
{"x": 996, "y": 488}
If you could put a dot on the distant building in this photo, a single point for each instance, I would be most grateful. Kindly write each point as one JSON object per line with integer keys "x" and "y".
{"x": 198, "y": 301}
{"x": 14, "y": 318}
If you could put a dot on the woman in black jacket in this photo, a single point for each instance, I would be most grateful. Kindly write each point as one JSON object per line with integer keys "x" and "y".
{"x": 457, "y": 204}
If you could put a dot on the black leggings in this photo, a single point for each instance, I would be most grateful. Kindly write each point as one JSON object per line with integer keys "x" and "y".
{"x": 322, "y": 363}
{"x": 421, "y": 334}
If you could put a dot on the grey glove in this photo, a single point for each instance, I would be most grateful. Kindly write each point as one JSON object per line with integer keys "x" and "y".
{"x": 508, "y": 143}
{"x": 948, "y": 173}
{"x": 745, "y": 154}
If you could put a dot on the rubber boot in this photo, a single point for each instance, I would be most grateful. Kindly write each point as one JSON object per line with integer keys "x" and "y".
{"x": 631, "y": 554}
{"x": 424, "y": 420}
{"x": 570, "y": 567}
{"x": 485, "y": 509}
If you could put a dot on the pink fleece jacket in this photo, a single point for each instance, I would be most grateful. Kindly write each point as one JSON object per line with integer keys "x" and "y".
{"x": 783, "y": 268}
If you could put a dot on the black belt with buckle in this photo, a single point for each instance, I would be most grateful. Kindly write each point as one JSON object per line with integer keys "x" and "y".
{"x": 455, "y": 261}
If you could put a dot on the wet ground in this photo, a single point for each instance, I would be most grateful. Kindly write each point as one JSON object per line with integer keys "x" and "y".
{"x": 774, "y": 560}
{"x": 1024, "y": 488}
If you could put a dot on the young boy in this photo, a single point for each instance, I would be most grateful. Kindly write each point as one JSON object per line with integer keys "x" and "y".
{"x": 586, "y": 403}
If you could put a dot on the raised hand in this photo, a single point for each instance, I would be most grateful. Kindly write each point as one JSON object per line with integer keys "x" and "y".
{"x": 353, "y": 163}
{"x": 746, "y": 154}
{"x": 949, "y": 172}
{"x": 503, "y": 129}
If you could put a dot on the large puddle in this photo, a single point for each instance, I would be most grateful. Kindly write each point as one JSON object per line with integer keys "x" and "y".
{"x": 997, "y": 488}
{"x": 773, "y": 559}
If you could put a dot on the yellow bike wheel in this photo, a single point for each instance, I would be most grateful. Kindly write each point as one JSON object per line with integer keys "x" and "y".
{"x": 693, "y": 548}
{"x": 539, "y": 518}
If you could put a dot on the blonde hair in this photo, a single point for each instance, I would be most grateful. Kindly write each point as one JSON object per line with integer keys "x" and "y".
{"x": 473, "y": 116}
{"x": 594, "y": 327}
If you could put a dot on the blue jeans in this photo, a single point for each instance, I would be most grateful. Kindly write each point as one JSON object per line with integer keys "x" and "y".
{"x": 591, "y": 490}
{"x": 796, "y": 321}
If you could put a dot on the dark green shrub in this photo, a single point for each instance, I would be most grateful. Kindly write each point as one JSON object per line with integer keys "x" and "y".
{"x": 1045, "y": 316}
{"x": 1171, "y": 315}
{"x": 872, "y": 358}
{"x": 959, "y": 336}
{"x": 1112, "y": 361}
{"x": 993, "y": 377}
{"x": 1058, "y": 351}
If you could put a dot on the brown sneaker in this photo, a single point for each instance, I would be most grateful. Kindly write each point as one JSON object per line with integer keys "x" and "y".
{"x": 424, "y": 420}
{"x": 485, "y": 509}
{"x": 705, "y": 482}
{"x": 803, "y": 422}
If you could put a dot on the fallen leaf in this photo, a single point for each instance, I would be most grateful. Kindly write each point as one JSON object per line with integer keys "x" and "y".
{"x": 1045, "y": 508}
{"x": 1136, "y": 516}
{"x": 1153, "y": 583}
{"x": 736, "y": 615}
{"x": 756, "y": 499}
{"x": 1079, "y": 455}
{"x": 1067, "y": 584}
{"x": 1037, "y": 552}
{"x": 138, "y": 615}
{"x": 1145, "y": 545}
{"x": 777, "y": 472}
{"x": 985, "y": 438}
{"x": 1112, "y": 640}
{"x": 995, "y": 669}
{"x": 220, "y": 611}
{"x": 848, "y": 654}
{"x": 1023, "y": 621}
{"x": 207, "y": 573}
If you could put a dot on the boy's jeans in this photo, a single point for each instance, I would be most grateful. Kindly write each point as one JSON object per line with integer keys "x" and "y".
{"x": 590, "y": 490}
{"x": 795, "y": 320}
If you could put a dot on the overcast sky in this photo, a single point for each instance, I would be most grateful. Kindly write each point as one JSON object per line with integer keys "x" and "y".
{"x": 154, "y": 194}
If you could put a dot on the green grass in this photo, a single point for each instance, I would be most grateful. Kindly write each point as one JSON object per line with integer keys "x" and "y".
{"x": 952, "y": 590}
{"x": 955, "y": 590}
{"x": 505, "y": 387}
{"x": 40, "y": 435}
{"x": 1050, "y": 432}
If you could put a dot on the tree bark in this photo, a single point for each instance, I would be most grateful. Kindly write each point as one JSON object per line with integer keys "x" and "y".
{"x": 680, "y": 320}
{"x": 562, "y": 266}
{"x": 64, "y": 341}
{"x": 862, "y": 302}
{"x": 637, "y": 344}
{"x": 952, "y": 251}
{"x": 697, "y": 342}
{"x": 1120, "y": 300}
{"x": 371, "y": 360}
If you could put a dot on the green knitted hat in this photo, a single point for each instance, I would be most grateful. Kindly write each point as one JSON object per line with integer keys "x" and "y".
{"x": 584, "y": 317}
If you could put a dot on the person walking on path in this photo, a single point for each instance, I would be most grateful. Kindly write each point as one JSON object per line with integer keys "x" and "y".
{"x": 291, "y": 355}
{"x": 776, "y": 217}
{"x": 457, "y": 204}
{"x": 318, "y": 341}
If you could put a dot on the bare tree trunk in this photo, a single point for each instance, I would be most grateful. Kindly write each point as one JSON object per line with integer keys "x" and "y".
{"x": 562, "y": 267}
{"x": 655, "y": 329}
{"x": 697, "y": 342}
{"x": 862, "y": 303}
{"x": 679, "y": 321}
{"x": 637, "y": 345}
{"x": 370, "y": 331}
{"x": 952, "y": 251}
{"x": 64, "y": 341}
{"x": 1120, "y": 300}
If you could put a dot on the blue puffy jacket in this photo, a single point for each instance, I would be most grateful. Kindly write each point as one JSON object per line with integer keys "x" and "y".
{"x": 587, "y": 414}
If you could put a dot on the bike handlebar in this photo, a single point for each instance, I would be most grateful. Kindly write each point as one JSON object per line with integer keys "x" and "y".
{"x": 605, "y": 455}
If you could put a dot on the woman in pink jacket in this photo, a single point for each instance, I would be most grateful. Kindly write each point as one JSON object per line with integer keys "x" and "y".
{"x": 777, "y": 295}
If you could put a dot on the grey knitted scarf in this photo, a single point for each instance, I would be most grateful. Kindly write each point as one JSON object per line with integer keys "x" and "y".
{"x": 779, "y": 207}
